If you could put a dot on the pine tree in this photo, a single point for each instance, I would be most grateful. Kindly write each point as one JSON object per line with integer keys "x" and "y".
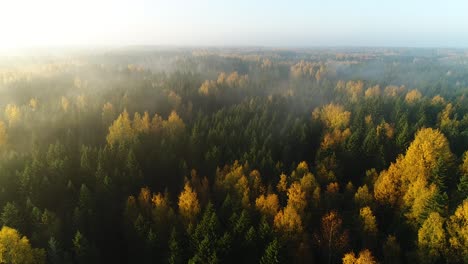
{"x": 271, "y": 255}
{"x": 175, "y": 255}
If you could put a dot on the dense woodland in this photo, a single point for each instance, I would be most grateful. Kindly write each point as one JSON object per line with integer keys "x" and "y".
{"x": 152, "y": 155}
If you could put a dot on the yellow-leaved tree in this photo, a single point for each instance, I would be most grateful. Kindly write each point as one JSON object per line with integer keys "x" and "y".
{"x": 297, "y": 198}
{"x": 267, "y": 205}
{"x": 416, "y": 179}
{"x": 365, "y": 257}
{"x": 15, "y": 249}
{"x": 457, "y": 227}
{"x": 288, "y": 222}
{"x": 432, "y": 239}
{"x": 189, "y": 206}
{"x": 12, "y": 114}
{"x": 121, "y": 130}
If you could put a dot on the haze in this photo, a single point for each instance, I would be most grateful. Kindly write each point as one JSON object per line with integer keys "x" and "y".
{"x": 28, "y": 23}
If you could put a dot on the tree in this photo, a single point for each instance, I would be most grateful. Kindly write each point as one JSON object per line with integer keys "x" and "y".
{"x": 391, "y": 250}
{"x": 121, "y": 130}
{"x": 331, "y": 238}
{"x": 297, "y": 198}
{"x": 282, "y": 184}
{"x": 369, "y": 223}
{"x": 271, "y": 253}
{"x": 174, "y": 249}
{"x": 409, "y": 182}
{"x": 432, "y": 239}
{"x": 108, "y": 113}
{"x": 457, "y": 227}
{"x": 34, "y": 104}
{"x": 463, "y": 184}
{"x": 11, "y": 216}
{"x": 81, "y": 249}
{"x": 174, "y": 124}
{"x": 141, "y": 124}
{"x": 288, "y": 222}
{"x": 268, "y": 205}
{"x": 15, "y": 249}
{"x": 12, "y": 114}
{"x": 206, "y": 240}
{"x": 413, "y": 96}
{"x": 54, "y": 254}
{"x": 362, "y": 197}
{"x": 365, "y": 257}
{"x": 188, "y": 204}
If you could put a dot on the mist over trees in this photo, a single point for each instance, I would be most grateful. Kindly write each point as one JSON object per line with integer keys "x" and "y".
{"x": 230, "y": 155}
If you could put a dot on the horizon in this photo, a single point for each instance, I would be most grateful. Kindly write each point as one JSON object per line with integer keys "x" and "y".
{"x": 298, "y": 24}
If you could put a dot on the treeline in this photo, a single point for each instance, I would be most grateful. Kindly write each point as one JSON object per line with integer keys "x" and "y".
{"x": 235, "y": 156}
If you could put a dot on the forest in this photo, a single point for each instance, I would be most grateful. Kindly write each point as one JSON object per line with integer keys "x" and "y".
{"x": 234, "y": 155}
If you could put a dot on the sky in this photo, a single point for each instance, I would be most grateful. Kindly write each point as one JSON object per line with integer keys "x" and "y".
{"x": 85, "y": 23}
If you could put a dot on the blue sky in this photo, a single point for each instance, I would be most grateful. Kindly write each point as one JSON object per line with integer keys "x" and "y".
{"x": 411, "y": 23}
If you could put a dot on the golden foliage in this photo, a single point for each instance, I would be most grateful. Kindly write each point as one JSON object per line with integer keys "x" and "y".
{"x": 365, "y": 257}
{"x": 267, "y": 205}
{"x": 34, "y": 104}
{"x": 208, "y": 88}
{"x": 438, "y": 100}
{"x": 15, "y": 249}
{"x": 288, "y": 222}
{"x": 369, "y": 223}
{"x": 233, "y": 80}
{"x": 189, "y": 207}
{"x": 373, "y": 91}
{"x": 303, "y": 69}
{"x": 413, "y": 96}
{"x": 362, "y": 196}
{"x": 431, "y": 238}
{"x": 457, "y": 227}
{"x": 333, "y": 188}
{"x": 332, "y": 238}
{"x": 387, "y": 129}
{"x": 333, "y": 116}
{"x": 174, "y": 124}
{"x": 393, "y": 91}
{"x": 12, "y": 114}
{"x": 121, "y": 130}
{"x": 416, "y": 197}
{"x": 282, "y": 185}
{"x": 297, "y": 197}
{"x": 354, "y": 89}
{"x": 336, "y": 120}
{"x": 464, "y": 166}
{"x": 65, "y": 103}
{"x": 334, "y": 138}
{"x": 159, "y": 201}
{"x": 427, "y": 147}
{"x": 308, "y": 184}
{"x": 232, "y": 179}
{"x": 407, "y": 180}
{"x": 141, "y": 124}
{"x": 446, "y": 120}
